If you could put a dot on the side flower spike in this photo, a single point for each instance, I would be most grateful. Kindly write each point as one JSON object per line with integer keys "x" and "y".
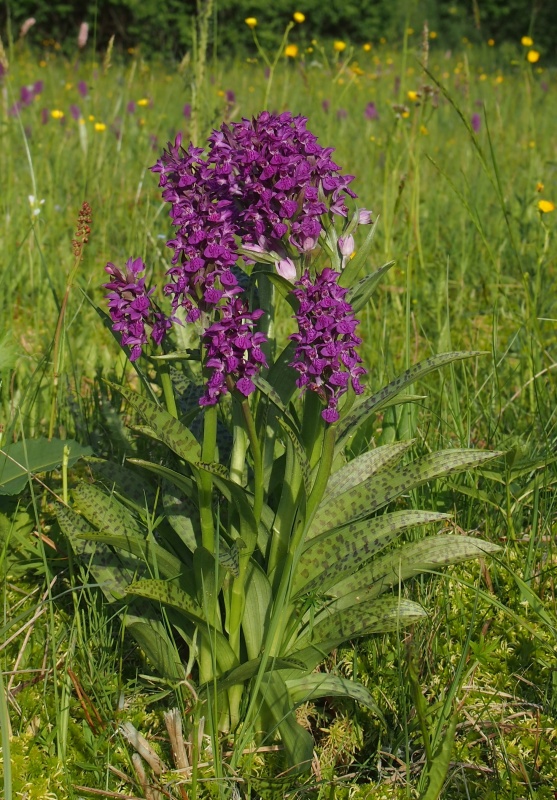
{"x": 326, "y": 355}
{"x": 131, "y": 309}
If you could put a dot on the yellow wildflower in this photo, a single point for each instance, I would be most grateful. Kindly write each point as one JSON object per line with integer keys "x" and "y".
{"x": 409, "y": 31}
{"x": 68, "y": 86}
{"x": 91, "y": 118}
{"x": 382, "y": 40}
{"x": 539, "y": 186}
{"x": 339, "y": 46}
{"x": 413, "y": 96}
{"x": 405, "y": 114}
{"x": 545, "y": 206}
{"x": 533, "y": 56}
{"x": 291, "y": 50}
{"x": 100, "y": 127}
{"x": 433, "y": 34}
{"x": 299, "y": 17}
{"x": 423, "y": 130}
{"x": 57, "y": 114}
{"x": 490, "y": 42}
{"x": 42, "y": 63}
{"x": 527, "y": 41}
{"x": 499, "y": 79}
{"x": 309, "y": 49}
{"x": 367, "y": 47}
{"x": 483, "y": 76}
{"x": 143, "y": 102}
{"x": 251, "y": 22}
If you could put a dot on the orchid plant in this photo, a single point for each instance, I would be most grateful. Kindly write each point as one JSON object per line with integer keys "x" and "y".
{"x": 264, "y": 545}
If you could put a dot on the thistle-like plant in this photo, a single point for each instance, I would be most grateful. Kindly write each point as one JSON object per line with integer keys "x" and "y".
{"x": 263, "y": 550}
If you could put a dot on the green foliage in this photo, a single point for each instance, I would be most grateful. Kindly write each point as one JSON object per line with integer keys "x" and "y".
{"x": 169, "y": 28}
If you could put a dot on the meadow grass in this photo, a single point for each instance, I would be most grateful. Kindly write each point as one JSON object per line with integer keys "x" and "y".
{"x": 452, "y": 160}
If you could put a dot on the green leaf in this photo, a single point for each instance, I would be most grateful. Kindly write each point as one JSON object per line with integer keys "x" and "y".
{"x": 104, "y": 511}
{"x": 387, "y": 485}
{"x": 370, "y": 405}
{"x": 375, "y": 616}
{"x": 32, "y": 457}
{"x": 167, "y": 429}
{"x": 169, "y": 594}
{"x": 300, "y": 454}
{"x": 249, "y": 669}
{"x": 126, "y": 482}
{"x": 179, "y": 512}
{"x": 439, "y": 767}
{"x": 298, "y": 743}
{"x": 157, "y": 558}
{"x": 175, "y": 478}
{"x": 106, "y": 567}
{"x": 346, "y": 549}
{"x": 361, "y": 468}
{"x": 255, "y": 619}
{"x": 310, "y": 687}
{"x": 360, "y": 293}
{"x": 411, "y": 559}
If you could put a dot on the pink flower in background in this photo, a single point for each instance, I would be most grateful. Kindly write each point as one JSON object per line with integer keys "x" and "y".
{"x": 75, "y": 112}
{"x": 26, "y": 27}
{"x": 83, "y": 35}
{"x": 130, "y": 108}
{"x": 476, "y": 122}
{"x": 187, "y": 111}
{"x": 82, "y": 88}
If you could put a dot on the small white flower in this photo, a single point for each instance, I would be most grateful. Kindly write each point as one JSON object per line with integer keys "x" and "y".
{"x": 35, "y": 204}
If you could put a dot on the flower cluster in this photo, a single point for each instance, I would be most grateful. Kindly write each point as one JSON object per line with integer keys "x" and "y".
{"x": 130, "y": 307}
{"x": 325, "y": 355}
{"x": 263, "y": 185}
{"x": 233, "y": 349}
{"x": 280, "y": 177}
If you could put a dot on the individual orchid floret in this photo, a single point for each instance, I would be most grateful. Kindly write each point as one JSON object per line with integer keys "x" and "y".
{"x": 233, "y": 351}
{"x": 131, "y": 309}
{"x": 286, "y": 268}
{"x": 326, "y": 355}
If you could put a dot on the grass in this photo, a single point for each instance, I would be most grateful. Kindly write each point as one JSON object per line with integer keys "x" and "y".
{"x": 475, "y": 269}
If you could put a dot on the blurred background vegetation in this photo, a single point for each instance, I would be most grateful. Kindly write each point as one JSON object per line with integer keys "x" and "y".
{"x": 167, "y": 28}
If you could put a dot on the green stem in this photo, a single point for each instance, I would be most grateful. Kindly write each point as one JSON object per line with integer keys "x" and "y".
{"x": 205, "y": 481}
{"x": 258, "y": 488}
{"x": 323, "y": 473}
{"x": 167, "y": 388}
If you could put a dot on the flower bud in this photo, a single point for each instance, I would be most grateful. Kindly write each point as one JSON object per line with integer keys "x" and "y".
{"x": 346, "y": 245}
{"x": 286, "y": 269}
{"x": 364, "y": 216}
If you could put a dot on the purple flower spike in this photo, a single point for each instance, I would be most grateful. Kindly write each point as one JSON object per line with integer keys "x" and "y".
{"x": 186, "y": 111}
{"x": 476, "y": 123}
{"x": 234, "y": 350}
{"x": 38, "y": 87}
{"x": 82, "y": 88}
{"x": 130, "y": 308}
{"x": 75, "y": 112}
{"x": 325, "y": 355}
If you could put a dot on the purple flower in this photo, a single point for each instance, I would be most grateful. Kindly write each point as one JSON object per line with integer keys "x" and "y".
{"x": 38, "y": 87}
{"x": 325, "y": 355}
{"x": 26, "y": 96}
{"x": 82, "y": 88}
{"x": 233, "y": 351}
{"x": 44, "y": 116}
{"x": 230, "y": 97}
{"x": 186, "y": 111}
{"x": 325, "y": 105}
{"x": 75, "y": 112}
{"x": 371, "y": 111}
{"x": 130, "y": 108}
{"x": 476, "y": 122}
{"x": 15, "y": 109}
{"x": 342, "y": 113}
{"x": 130, "y": 307}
